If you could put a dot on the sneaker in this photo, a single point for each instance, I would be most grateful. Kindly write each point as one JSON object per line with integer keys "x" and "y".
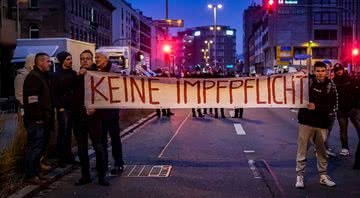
{"x": 299, "y": 181}
{"x": 44, "y": 167}
{"x": 117, "y": 170}
{"x": 330, "y": 153}
{"x": 326, "y": 180}
{"x": 35, "y": 181}
{"x": 83, "y": 181}
{"x": 344, "y": 152}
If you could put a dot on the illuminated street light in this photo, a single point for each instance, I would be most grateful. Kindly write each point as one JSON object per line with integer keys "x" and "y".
{"x": 215, "y": 7}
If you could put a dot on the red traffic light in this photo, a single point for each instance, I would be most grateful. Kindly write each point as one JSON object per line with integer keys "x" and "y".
{"x": 355, "y": 52}
{"x": 271, "y": 2}
{"x": 167, "y": 48}
{"x": 270, "y": 6}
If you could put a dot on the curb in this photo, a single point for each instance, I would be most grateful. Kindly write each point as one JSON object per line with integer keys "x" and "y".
{"x": 57, "y": 173}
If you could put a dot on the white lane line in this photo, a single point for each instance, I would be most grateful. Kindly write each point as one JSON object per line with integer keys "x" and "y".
{"x": 177, "y": 131}
{"x": 294, "y": 110}
{"x": 239, "y": 129}
{"x": 249, "y": 151}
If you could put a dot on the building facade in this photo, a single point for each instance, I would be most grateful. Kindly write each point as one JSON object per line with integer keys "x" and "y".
{"x": 84, "y": 20}
{"x": 197, "y": 47}
{"x": 300, "y": 32}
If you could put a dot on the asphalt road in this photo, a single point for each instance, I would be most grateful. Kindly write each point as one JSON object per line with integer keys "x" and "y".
{"x": 208, "y": 157}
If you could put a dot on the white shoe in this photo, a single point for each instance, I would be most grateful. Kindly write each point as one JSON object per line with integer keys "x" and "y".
{"x": 326, "y": 180}
{"x": 330, "y": 153}
{"x": 299, "y": 181}
{"x": 344, "y": 152}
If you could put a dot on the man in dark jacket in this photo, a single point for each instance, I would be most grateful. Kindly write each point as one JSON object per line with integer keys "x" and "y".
{"x": 313, "y": 124}
{"x": 38, "y": 109}
{"x": 347, "y": 90}
{"x": 87, "y": 123}
{"x": 65, "y": 81}
{"x": 110, "y": 119}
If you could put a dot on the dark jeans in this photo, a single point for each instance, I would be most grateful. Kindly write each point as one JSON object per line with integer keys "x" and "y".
{"x": 112, "y": 126}
{"x": 85, "y": 126}
{"x": 198, "y": 111}
{"x": 357, "y": 155}
{"x": 343, "y": 119}
{"x": 221, "y": 111}
{"x": 65, "y": 126}
{"x": 239, "y": 112}
{"x": 35, "y": 146}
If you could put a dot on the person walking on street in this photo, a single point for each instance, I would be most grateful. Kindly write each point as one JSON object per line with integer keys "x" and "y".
{"x": 345, "y": 85}
{"x": 87, "y": 123}
{"x": 38, "y": 111}
{"x": 313, "y": 123}
{"x": 110, "y": 119}
{"x": 64, "y": 82}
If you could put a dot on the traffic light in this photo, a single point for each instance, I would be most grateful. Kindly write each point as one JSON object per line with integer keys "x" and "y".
{"x": 355, "y": 51}
{"x": 167, "y": 49}
{"x": 271, "y": 6}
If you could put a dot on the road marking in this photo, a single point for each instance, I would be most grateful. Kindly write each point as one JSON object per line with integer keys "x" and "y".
{"x": 249, "y": 151}
{"x": 294, "y": 110}
{"x": 239, "y": 129}
{"x": 254, "y": 169}
{"x": 177, "y": 131}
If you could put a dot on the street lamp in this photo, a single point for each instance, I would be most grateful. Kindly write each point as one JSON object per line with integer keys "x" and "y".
{"x": 215, "y": 7}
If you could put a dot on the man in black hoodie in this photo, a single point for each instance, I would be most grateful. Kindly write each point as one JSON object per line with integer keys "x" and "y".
{"x": 38, "y": 114}
{"x": 65, "y": 80}
{"x": 347, "y": 91}
{"x": 313, "y": 124}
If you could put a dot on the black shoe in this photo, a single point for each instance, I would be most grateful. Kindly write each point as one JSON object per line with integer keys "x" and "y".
{"x": 222, "y": 116}
{"x": 117, "y": 170}
{"x": 170, "y": 114}
{"x": 201, "y": 115}
{"x": 158, "y": 115}
{"x": 216, "y": 116}
{"x": 83, "y": 181}
{"x": 194, "y": 116}
{"x": 103, "y": 182}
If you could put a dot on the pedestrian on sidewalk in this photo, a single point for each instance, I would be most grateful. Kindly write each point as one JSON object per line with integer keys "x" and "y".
{"x": 313, "y": 123}
{"x": 87, "y": 123}
{"x": 64, "y": 81}
{"x": 38, "y": 115}
{"x": 110, "y": 119}
{"x": 348, "y": 108}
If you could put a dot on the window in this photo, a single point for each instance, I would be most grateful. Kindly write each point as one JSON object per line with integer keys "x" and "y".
{"x": 33, "y": 3}
{"x": 325, "y": 34}
{"x": 33, "y": 31}
{"x": 325, "y": 52}
{"x": 325, "y": 18}
{"x": 325, "y": 2}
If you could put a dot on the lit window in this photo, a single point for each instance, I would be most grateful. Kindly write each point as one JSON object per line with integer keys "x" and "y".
{"x": 229, "y": 32}
{"x": 197, "y": 33}
{"x": 34, "y": 31}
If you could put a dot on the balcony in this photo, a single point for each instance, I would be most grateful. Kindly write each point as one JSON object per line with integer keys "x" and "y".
{"x": 7, "y": 32}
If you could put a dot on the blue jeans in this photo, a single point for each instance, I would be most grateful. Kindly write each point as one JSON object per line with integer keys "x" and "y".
{"x": 35, "y": 146}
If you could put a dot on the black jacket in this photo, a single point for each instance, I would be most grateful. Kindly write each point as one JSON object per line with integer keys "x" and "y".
{"x": 64, "y": 83}
{"x": 324, "y": 96}
{"x": 346, "y": 90}
{"x": 38, "y": 104}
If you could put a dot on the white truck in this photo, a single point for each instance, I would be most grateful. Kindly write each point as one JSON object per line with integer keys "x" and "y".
{"x": 51, "y": 46}
{"x": 125, "y": 58}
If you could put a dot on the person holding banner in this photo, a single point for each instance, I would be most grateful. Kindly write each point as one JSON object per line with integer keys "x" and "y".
{"x": 87, "y": 123}
{"x": 313, "y": 124}
{"x": 110, "y": 118}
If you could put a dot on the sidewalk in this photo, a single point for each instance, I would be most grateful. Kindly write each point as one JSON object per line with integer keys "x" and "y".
{"x": 57, "y": 173}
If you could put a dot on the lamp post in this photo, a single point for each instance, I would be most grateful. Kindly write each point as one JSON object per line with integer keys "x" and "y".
{"x": 215, "y": 7}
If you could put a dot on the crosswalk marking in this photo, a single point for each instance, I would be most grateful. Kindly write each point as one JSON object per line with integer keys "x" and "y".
{"x": 239, "y": 129}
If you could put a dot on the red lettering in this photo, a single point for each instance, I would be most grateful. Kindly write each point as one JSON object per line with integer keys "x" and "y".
{"x": 111, "y": 88}
{"x": 141, "y": 93}
{"x": 274, "y": 90}
{"x": 94, "y": 89}
{"x": 301, "y": 88}
{"x": 151, "y": 90}
{"x": 126, "y": 89}
{"x": 207, "y": 87}
{"x": 232, "y": 82}
{"x": 258, "y": 92}
{"x": 178, "y": 91}
{"x": 218, "y": 87}
{"x": 268, "y": 89}
{"x": 192, "y": 84}
{"x": 292, "y": 90}
{"x": 246, "y": 87}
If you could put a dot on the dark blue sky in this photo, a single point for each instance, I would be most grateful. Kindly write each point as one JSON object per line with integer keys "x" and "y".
{"x": 196, "y": 13}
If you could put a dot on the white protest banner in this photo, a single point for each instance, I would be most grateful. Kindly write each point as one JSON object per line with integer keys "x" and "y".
{"x": 111, "y": 90}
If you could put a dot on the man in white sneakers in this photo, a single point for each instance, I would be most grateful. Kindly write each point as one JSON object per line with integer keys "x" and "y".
{"x": 313, "y": 124}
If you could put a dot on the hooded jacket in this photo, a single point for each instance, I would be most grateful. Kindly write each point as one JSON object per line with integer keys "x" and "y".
{"x": 345, "y": 87}
{"x": 21, "y": 75}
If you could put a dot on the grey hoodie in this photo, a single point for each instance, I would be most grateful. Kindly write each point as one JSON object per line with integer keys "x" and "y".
{"x": 21, "y": 75}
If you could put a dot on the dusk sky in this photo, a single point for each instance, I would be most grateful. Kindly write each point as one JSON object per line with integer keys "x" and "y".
{"x": 196, "y": 13}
